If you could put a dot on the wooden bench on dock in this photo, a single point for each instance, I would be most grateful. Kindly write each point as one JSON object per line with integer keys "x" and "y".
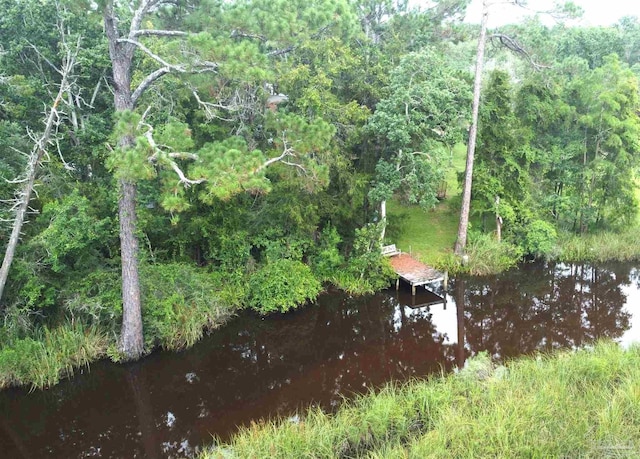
{"x": 390, "y": 250}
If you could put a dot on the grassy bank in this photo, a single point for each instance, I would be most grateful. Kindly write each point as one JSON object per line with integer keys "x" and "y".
{"x": 430, "y": 235}
{"x": 572, "y": 404}
{"x": 42, "y": 360}
{"x": 180, "y": 304}
{"x": 601, "y": 247}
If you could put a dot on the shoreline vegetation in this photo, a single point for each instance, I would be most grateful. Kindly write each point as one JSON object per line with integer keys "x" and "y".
{"x": 225, "y": 160}
{"x": 583, "y": 403}
{"x": 430, "y": 236}
{"x": 178, "y": 312}
{"x": 487, "y": 256}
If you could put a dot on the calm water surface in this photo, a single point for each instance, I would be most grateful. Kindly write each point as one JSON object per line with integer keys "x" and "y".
{"x": 170, "y": 404}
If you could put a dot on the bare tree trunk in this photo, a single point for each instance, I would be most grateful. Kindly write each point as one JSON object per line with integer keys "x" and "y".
{"x": 463, "y": 227}
{"x": 39, "y": 149}
{"x": 131, "y": 336}
{"x": 498, "y": 220}
{"x": 21, "y": 212}
{"x": 383, "y": 219}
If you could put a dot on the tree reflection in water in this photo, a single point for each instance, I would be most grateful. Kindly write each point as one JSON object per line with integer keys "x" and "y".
{"x": 545, "y": 307}
{"x": 167, "y": 404}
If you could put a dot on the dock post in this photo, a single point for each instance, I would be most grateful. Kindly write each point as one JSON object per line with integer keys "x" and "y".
{"x": 445, "y": 281}
{"x": 413, "y": 290}
{"x": 397, "y": 284}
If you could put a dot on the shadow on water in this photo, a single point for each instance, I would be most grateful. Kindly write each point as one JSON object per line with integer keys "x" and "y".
{"x": 170, "y": 403}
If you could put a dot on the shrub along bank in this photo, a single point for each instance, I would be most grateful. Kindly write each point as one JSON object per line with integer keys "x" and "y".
{"x": 181, "y": 303}
{"x": 571, "y": 404}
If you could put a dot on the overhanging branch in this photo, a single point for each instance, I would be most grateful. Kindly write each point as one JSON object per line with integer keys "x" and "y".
{"x": 169, "y": 157}
{"x": 152, "y": 55}
{"x": 511, "y": 44}
{"x": 157, "y": 33}
{"x": 144, "y": 8}
{"x": 148, "y": 81}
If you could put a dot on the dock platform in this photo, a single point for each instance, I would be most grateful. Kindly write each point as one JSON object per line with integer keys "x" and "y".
{"x": 414, "y": 272}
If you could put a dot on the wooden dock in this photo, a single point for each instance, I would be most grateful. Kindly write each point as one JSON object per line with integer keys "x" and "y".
{"x": 412, "y": 271}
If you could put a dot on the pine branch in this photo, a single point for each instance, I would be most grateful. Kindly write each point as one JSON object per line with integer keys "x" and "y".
{"x": 240, "y": 34}
{"x": 147, "y": 82}
{"x": 143, "y": 9}
{"x": 211, "y": 107}
{"x": 288, "y": 49}
{"x": 286, "y": 152}
{"x": 158, "y": 153}
{"x": 200, "y": 67}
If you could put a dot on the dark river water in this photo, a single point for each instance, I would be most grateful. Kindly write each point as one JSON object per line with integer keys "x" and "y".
{"x": 170, "y": 404}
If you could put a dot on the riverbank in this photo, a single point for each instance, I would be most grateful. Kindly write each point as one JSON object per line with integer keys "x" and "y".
{"x": 486, "y": 255}
{"x": 430, "y": 236}
{"x": 572, "y": 404}
{"x": 42, "y": 360}
{"x": 177, "y": 315}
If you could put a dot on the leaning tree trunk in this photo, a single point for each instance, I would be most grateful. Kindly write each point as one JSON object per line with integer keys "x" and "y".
{"x": 463, "y": 226}
{"x": 131, "y": 337}
{"x": 35, "y": 157}
{"x": 21, "y": 212}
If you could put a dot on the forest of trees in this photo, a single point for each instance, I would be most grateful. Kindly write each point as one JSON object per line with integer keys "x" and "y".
{"x": 165, "y": 162}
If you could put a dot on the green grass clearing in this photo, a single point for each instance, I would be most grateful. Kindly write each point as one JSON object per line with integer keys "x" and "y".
{"x": 429, "y": 235}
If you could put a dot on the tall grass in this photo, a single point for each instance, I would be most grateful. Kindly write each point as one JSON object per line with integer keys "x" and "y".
{"x": 41, "y": 361}
{"x": 571, "y": 404}
{"x": 624, "y": 246}
{"x": 485, "y": 255}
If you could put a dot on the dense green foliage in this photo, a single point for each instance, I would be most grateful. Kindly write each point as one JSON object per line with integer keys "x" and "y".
{"x": 282, "y": 285}
{"x": 264, "y": 138}
{"x": 571, "y": 404}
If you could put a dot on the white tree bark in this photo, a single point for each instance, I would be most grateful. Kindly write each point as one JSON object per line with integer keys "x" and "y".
{"x": 383, "y": 219}
{"x": 52, "y": 120}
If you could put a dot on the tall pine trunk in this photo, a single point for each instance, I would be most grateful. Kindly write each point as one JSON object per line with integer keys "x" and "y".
{"x": 131, "y": 337}
{"x": 383, "y": 219}
{"x": 463, "y": 226}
